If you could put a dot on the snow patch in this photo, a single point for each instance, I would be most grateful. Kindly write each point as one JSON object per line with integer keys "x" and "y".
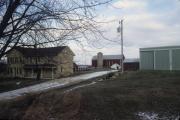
{"x": 155, "y": 116}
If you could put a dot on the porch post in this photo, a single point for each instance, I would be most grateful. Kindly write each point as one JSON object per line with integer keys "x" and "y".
{"x": 32, "y": 73}
{"x": 52, "y": 73}
{"x": 41, "y": 73}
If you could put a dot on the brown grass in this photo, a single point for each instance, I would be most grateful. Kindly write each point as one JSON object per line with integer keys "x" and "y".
{"x": 119, "y": 98}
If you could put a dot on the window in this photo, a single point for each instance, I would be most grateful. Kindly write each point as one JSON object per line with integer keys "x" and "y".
{"x": 38, "y": 59}
{"x": 20, "y": 60}
{"x": 10, "y": 70}
{"x": 13, "y": 60}
{"x": 8, "y": 60}
{"x": 30, "y": 60}
{"x": 17, "y": 71}
{"x": 20, "y": 71}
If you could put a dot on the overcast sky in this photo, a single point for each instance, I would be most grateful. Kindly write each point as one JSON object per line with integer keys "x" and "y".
{"x": 147, "y": 23}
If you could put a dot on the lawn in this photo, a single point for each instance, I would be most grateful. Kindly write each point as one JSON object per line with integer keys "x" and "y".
{"x": 131, "y": 96}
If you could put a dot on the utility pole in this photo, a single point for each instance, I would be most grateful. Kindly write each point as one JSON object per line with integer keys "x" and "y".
{"x": 120, "y": 30}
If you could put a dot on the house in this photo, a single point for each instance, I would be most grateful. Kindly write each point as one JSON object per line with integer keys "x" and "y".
{"x": 52, "y": 62}
{"x": 3, "y": 67}
{"x": 106, "y": 61}
{"x": 160, "y": 58}
{"x": 131, "y": 64}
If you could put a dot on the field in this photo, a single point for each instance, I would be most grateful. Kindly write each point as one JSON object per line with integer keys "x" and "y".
{"x": 145, "y": 95}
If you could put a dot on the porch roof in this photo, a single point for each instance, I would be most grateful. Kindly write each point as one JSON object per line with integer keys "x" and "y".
{"x": 26, "y": 66}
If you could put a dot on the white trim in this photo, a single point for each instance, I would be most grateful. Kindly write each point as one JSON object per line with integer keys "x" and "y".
{"x": 159, "y": 49}
{"x": 32, "y": 73}
{"x": 170, "y": 59}
{"x": 140, "y": 60}
{"x": 154, "y": 52}
{"x": 41, "y": 73}
{"x": 52, "y": 74}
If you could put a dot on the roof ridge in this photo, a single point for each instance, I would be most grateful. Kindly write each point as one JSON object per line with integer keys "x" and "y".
{"x": 41, "y": 52}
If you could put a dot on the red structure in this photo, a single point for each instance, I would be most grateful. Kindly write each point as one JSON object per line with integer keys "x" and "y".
{"x": 131, "y": 64}
{"x": 108, "y": 60}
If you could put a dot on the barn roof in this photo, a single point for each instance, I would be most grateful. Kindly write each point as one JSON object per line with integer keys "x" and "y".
{"x": 40, "y": 52}
{"x": 109, "y": 57}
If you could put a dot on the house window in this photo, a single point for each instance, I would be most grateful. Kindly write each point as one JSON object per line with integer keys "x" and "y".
{"x": 14, "y": 71}
{"x": 12, "y": 60}
{"x": 30, "y": 60}
{"x": 39, "y": 59}
{"x": 10, "y": 70}
{"x": 8, "y": 60}
{"x": 20, "y": 71}
{"x": 54, "y": 71}
{"x": 20, "y": 60}
{"x": 17, "y": 71}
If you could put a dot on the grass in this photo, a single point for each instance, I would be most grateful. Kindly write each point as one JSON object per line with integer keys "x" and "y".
{"x": 118, "y": 98}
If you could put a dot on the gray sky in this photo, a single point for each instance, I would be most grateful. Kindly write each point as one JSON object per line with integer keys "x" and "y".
{"x": 147, "y": 23}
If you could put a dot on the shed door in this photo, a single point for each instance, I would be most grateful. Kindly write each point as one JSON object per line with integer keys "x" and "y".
{"x": 162, "y": 60}
{"x": 147, "y": 60}
{"x": 176, "y": 59}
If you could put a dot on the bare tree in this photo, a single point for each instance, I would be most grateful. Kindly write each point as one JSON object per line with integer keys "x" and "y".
{"x": 45, "y": 22}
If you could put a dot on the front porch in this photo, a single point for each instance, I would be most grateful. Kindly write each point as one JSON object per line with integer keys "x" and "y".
{"x": 46, "y": 71}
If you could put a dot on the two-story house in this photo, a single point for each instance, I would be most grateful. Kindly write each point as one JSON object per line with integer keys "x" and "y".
{"x": 52, "y": 62}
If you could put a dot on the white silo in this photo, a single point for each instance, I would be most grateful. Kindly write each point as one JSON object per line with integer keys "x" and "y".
{"x": 99, "y": 60}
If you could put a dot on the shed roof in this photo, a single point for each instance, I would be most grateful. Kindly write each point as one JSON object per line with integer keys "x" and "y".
{"x": 159, "y": 48}
{"x": 40, "y": 52}
{"x": 109, "y": 57}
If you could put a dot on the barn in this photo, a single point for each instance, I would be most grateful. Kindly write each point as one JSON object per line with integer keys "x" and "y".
{"x": 160, "y": 58}
{"x": 106, "y": 61}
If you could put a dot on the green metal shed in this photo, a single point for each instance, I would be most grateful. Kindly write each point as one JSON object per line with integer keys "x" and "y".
{"x": 160, "y": 58}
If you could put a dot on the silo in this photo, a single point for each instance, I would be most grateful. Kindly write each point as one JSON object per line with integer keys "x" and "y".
{"x": 99, "y": 60}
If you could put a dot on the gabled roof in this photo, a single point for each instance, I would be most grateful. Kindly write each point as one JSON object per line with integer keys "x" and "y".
{"x": 109, "y": 57}
{"x": 40, "y": 52}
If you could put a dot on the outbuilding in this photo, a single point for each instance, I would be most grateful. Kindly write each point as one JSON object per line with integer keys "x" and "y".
{"x": 106, "y": 61}
{"x": 131, "y": 64}
{"x": 160, "y": 58}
